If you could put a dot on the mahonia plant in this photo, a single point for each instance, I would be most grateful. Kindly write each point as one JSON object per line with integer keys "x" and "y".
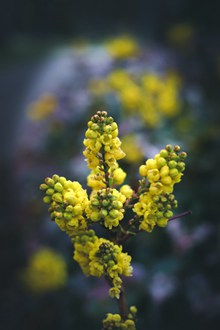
{"x": 108, "y": 204}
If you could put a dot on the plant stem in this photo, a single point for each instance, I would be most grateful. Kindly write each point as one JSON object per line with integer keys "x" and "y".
{"x": 180, "y": 215}
{"x": 123, "y": 309}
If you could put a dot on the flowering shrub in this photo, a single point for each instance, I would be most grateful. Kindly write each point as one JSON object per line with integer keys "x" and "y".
{"x": 121, "y": 211}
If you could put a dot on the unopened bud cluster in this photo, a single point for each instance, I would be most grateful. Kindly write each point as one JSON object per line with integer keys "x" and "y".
{"x": 106, "y": 206}
{"x": 157, "y": 201}
{"x": 68, "y": 201}
{"x": 102, "y": 136}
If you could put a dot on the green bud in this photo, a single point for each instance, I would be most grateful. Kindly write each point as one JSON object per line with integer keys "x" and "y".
{"x": 58, "y": 187}
{"x": 107, "y": 129}
{"x": 168, "y": 214}
{"x": 62, "y": 180}
{"x": 174, "y": 172}
{"x": 67, "y": 216}
{"x": 49, "y": 182}
{"x": 169, "y": 147}
{"x": 47, "y": 199}
{"x": 181, "y": 166}
{"x": 133, "y": 309}
{"x": 95, "y": 202}
{"x": 156, "y": 198}
{"x": 174, "y": 156}
{"x": 117, "y": 205}
{"x": 176, "y": 148}
{"x": 69, "y": 209}
{"x": 43, "y": 186}
{"x": 57, "y": 197}
{"x": 171, "y": 197}
{"x": 103, "y": 213}
{"x": 58, "y": 215}
{"x": 159, "y": 214}
{"x": 111, "y": 263}
{"x": 172, "y": 164}
{"x": 55, "y": 177}
{"x": 105, "y": 202}
{"x": 94, "y": 127}
{"x": 162, "y": 222}
{"x": 164, "y": 153}
{"x": 114, "y": 213}
{"x": 161, "y": 161}
{"x": 114, "y": 125}
{"x": 49, "y": 191}
{"x": 183, "y": 155}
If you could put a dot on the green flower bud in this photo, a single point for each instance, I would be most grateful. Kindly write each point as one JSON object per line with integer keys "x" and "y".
{"x": 183, "y": 155}
{"x": 176, "y": 148}
{"x": 114, "y": 213}
{"x": 58, "y": 215}
{"x": 181, "y": 166}
{"x": 43, "y": 186}
{"x": 67, "y": 216}
{"x": 58, "y": 187}
{"x": 168, "y": 214}
{"x": 164, "y": 153}
{"x": 105, "y": 202}
{"x": 169, "y": 147}
{"x": 107, "y": 129}
{"x": 94, "y": 127}
{"x": 95, "y": 202}
{"x": 57, "y": 197}
{"x": 49, "y": 182}
{"x": 47, "y": 199}
{"x": 103, "y": 213}
{"x": 174, "y": 172}
{"x": 172, "y": 164}
{"x": 161, "y": 161}
{"x": 55, "y": 177}
{"x": 133, "y": 309}
{"x": 49, "y": 191}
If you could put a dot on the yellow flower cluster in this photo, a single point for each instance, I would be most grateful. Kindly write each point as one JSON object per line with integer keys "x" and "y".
{"x": 42, "y": 108}
{"x": 150, "y": 96}
{"x": 96, "y": 179}
{"x": 156, "y": 202}
{"x": 102, "y": 142}
{"x": 115, "y": 321}
{"x": 99, "y": 256}
{"x": 106, "y": 206}
{"x": 68, "y": 201}
{"x": 46, "y": 271}
{"x": 129, "y": 142}
{"x": 123, "y": 47}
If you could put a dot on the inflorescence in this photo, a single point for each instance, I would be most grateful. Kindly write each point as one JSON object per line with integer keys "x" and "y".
{"x": 107, "y": 204}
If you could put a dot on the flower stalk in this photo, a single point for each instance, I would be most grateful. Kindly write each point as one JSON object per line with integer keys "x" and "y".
{"x": 115, "y": 206}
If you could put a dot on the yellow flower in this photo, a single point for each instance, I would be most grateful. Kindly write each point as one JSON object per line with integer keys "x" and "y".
{"x": 131, "y": 148}
{"x": 46, "y": 271}
{"x": 127, "y": 191}
{"x": 123, "y": 47}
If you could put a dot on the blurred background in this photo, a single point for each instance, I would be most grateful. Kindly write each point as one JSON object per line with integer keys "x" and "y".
{"x": 155, "y": 67}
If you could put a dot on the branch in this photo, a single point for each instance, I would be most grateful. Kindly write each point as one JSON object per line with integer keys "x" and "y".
{"x": 123, "y": 309}
{"x": 180, "y": 215}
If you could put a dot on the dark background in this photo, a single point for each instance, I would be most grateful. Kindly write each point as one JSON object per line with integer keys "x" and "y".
{"x": 29, "y": 31}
